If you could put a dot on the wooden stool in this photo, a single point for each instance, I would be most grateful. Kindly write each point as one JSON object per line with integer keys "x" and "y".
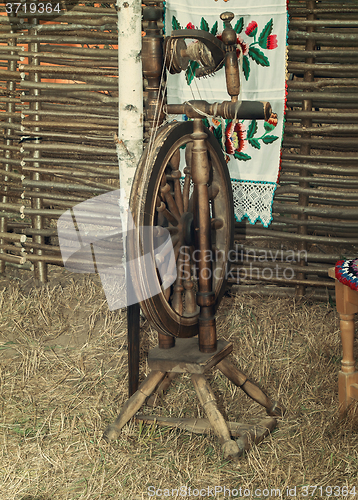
{"x": 347, "y": 306}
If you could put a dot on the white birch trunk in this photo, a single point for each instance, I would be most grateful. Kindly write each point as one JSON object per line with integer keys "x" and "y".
{"x": 130, "y": 127}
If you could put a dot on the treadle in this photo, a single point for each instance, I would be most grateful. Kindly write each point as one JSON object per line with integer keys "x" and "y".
{"x": 249, "y": 434}
{"x": 185, "y": 357}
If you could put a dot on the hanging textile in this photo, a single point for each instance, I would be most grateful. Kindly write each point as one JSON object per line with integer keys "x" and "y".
{"x": 253, "y": 147}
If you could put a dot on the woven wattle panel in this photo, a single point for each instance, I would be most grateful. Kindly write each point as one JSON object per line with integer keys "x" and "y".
{"x": 253, "y": 147}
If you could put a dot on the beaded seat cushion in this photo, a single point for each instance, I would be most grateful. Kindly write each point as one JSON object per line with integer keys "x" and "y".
{"x": 347, "y": 273}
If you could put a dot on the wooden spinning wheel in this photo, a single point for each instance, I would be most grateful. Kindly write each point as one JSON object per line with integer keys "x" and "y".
{"x": 163, "y": 196}
{"x": 182, "y": 189}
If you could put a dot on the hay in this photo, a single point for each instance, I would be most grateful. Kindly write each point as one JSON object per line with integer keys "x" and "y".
{"x": 63, "y": 378}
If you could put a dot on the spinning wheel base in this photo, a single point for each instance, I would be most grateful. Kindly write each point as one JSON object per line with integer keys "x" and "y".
{"x": 186, "y": 358}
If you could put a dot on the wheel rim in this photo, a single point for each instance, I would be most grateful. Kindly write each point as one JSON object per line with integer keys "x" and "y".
{"x": 163, "y": 197}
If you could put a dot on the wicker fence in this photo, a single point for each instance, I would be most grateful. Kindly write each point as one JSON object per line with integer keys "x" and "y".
{"x": 59, "y": 103}
{"x": 58, "y": 99}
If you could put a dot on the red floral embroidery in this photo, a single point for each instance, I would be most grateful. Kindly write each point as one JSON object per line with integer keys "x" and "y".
{"x": 244, "y": 46}
{"x": 271, "y": 42}
{"x": 273, "y": 119}
{"x": 251, "y": 29}
{"x": 235, "y": 137}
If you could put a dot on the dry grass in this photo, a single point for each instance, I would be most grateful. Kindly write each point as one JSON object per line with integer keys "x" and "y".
{"x": 63, "y": 378}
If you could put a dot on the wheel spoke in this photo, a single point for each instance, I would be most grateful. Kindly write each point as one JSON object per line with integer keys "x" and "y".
{"x": 165, "y": 191}
{"x": 162, "y": 209}
{"x": 160, "y": 257}
{"x": 176, "y": 175}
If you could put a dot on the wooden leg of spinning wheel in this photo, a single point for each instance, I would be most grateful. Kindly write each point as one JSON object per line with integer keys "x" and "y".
{"x": 240, "y": 380}
{"x": 133, "y": 404}
{"x": 217, "y": 421}
{"x": 133, "y": 322}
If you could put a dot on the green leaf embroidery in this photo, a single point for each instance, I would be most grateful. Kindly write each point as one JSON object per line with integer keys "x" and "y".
{"x": 175, "y": 23}
{"x": 214, "y": 29}
{"x": 218, "y": 133}
{"x": 204, "y": 25}
{"x": 269, "y": 139}
{"x": 255, "y": 143}
{"x": 265, "y": 33}
{"x": 258, "y": 56}
{"x": 246, "y": 67}
{"x": 239, "y": 25}
{"x": 190, "y": 71}
{"x": 268, "y": 126}
{"x": 241, "y": 156}
{"x": 252, "y": 129}
{"x": 206, "y": 122}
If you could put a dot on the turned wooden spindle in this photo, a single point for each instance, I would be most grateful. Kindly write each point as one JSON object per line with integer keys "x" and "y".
{"x": 347, "y": 307}
{"x": 162, "y": 209}
{"x": 205, "y": 298}
{"x": 165, "y": 341}
{"x": 187, "y": 172}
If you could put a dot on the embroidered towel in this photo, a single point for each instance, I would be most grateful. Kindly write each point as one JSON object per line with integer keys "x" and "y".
{"x": 253, "y": 147}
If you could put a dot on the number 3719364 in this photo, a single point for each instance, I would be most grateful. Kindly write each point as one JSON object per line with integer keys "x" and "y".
{"x": 32, "y": 8}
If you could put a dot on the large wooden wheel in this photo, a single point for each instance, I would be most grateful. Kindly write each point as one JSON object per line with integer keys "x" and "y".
{"x": 163, "y": 196}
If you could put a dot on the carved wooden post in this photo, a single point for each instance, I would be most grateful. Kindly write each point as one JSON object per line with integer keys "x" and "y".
{"x": 347, "y": 306}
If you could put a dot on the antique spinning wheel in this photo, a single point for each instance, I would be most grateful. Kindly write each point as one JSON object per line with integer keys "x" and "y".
{"x": 182, "y": 191}
{"x": 163, "y": 196}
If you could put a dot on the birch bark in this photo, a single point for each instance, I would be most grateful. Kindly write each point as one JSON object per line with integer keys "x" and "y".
{"x": 130, "y": 126}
